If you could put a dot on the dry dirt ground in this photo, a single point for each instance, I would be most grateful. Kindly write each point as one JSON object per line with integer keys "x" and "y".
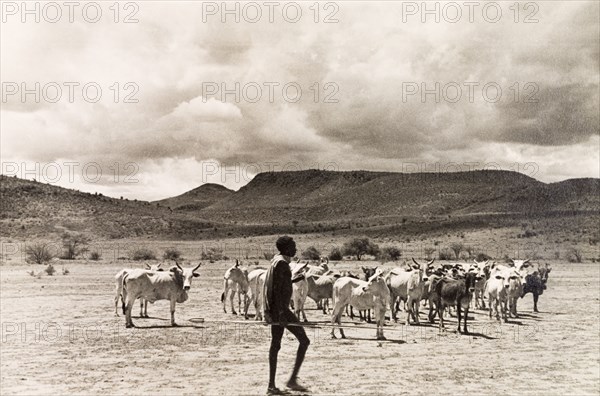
{"x": 60, "y": 336}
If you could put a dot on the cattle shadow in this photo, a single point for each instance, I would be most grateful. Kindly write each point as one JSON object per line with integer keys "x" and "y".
{"x": 148, "y": 317}
{"x": 454, "y": 332}
{"x": 168, "y": 327}
{"x": 387, "y": 340}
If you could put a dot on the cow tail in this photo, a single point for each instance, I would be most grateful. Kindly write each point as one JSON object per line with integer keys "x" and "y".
{"x": 224, "y": 288}
{"x": 124, "y": 293}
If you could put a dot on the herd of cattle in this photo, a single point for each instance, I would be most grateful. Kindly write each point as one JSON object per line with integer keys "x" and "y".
{"x": 439, "y": 287}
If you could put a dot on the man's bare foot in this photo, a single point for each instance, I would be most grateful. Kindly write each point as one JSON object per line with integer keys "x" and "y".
{"x": 295, "y": 386}
{"x": 271, "y": 390}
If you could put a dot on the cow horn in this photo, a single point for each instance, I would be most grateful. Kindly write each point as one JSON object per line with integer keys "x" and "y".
{"x": 526, "y": 261}
{"x": 148, "y": 266}
{"x": 159, "y": 264}
{"x": 196, "y": 267}
{"x": 431, "y": 262}
{"x": 178, "y": 266}
{"x": 415, "y": 261}
{"x": 237, "y": 263}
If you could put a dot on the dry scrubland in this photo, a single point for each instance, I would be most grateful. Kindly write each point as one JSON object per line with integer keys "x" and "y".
{"x": 553, "y": 352}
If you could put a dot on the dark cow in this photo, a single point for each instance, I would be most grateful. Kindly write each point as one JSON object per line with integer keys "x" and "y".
{"x": 454, "y": 292}
{"x": 535, "y": 283}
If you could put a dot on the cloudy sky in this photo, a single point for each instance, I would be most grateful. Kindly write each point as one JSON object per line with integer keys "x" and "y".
{"x": 376, "y": 88}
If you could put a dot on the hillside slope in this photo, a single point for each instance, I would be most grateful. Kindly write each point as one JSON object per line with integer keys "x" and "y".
{"x": 299, "y": 202}
{"x": 198, "y": 198}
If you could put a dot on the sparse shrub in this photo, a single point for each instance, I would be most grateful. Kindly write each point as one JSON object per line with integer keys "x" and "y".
{"x": 143, "y": 254}
{"x": 429, "y": 252}
{"x": 38, "y": 253}
{"x": 482, "y": 257}
{"x": 311, "y": 253}
{"x": 358, "y": 247}
{"x": 74, "y": 244}
{"x": 389, "y": 253}
{"x": 445, "y": 254}
{"x": 65, "y": 271}
{"x": 457, "y": 247}
{"x": 574, "y": 255}
{"x": 172, "y": 254}
{"x": 212, "y": 254}
{"x": 50, "y": 270}
{"x": 336, "y": 254}
{"x": 95, "y": 255}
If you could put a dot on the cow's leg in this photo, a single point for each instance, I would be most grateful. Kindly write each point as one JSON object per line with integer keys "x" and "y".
{"x": 416, "y": 311}
{"x": 409, "y": 310}
{"x": 466, "y": 314}
{"x": 458, "y": 314}
{"x": 393, "y": 308}
{"x": 128, "y": 309}
{"x": 336, "y": 317}
{"x": 535, "y": 300}
{"x": 231, "y": 299}
{"x": 173, "y": 302}
{"x": 379, "y": 314}
{"x": 440, "y": 310}
{"x": 369, "y": 315}
{"x": 431, "y": 312}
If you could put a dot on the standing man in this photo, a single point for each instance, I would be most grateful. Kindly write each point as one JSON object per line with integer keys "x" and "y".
{"x": 277, "y": 295}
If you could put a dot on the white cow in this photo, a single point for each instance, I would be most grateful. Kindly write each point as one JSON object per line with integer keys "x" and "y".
{"x": 483, "y": 272}
{"x": 256, "y": 281}
{"x": 236, "y": 281}
{"x": 119, "y": 289}
{"x": 362, "y": 295}
{"x": 496, "y": 288}
{"x": 299, "y": 288}
{"x": 408, "y": 286}
{"x": 171, "y": 285}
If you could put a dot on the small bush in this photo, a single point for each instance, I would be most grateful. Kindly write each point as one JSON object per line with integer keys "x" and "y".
{"x": 95, "y": 256}
{"x": 143, "y": 254}
{"x": 65, "y": 271}
{"x": 212, "y": 254}
{"x": 172, "y": 254}
{"x": 38, "y": 253}
{"x": 457, "y": 247}
{"x": 311, "y": 253}
{"x": 50, "y": 270}
{"x": 482, "y": 257}
{"x": 446, "y": 254}
{"x": 574, "y": 255}
{"x": 358, "y": 247}
{"x": 335, "y": 254}
{"x": 389, "y": 253}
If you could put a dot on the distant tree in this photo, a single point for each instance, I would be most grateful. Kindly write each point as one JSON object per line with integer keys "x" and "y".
{"x": 457, "y": 247}
{"x": 470, "y": 250}
{"x": 74, "y": 244}
{"x": 38, "y": 253}
{"x": 358, "y": 247}
{"x": 335, "y": 254}
{"x": 311, "y": 253}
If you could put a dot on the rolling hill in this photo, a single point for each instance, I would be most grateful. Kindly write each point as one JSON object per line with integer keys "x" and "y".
{"x": 198, "y": 198}
{"x": 300, "y": 202}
